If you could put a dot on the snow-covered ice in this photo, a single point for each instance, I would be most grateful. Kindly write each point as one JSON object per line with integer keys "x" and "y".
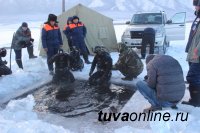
{"x": 18, "y": 115}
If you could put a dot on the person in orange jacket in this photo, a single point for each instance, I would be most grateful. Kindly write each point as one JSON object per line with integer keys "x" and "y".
{"x": 67, "y": 34}
{"x": 51, "y": 39}
{"x": 77, "y": 31}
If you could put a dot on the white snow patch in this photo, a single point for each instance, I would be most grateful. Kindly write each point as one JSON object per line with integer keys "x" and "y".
{"x": 18, "y": 117}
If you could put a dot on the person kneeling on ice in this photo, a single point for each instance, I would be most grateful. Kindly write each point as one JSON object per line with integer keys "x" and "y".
{"x": 4, "y": 70}
{"x": 165, "y": 85}
{"x": 76, "y": 61}
{"x": 23, "y": 39}
{"x": 129, "y": 63}
{"x": 103, "y": 61}
{"x": 62, "y": 67}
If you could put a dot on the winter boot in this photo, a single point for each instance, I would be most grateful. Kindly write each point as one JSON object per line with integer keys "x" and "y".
{"x": 85, "y": 56}
{"x": 195, "y": 97}
{"x": 30, "y": 52}
{"x": 19, "y": 63}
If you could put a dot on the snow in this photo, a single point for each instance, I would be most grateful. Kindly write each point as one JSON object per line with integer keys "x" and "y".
{"x": 18, "y": 116}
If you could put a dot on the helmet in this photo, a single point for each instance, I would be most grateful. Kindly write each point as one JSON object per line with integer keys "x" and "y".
{"x": 3, "y": 52}
{"x": 60, "y": 51}
{"x": 100, "y": 49}
{"x": 97, "y": 49}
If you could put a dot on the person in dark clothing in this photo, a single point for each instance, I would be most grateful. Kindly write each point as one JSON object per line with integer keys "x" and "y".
{"x": 77, "y": 31}
{"x": 193, "y": 29}
{"x": 164, "y": 86}
{"x": 4, "y": 70}
{"x": 76, "y": 61}
{"x": 67, "y": 34}
{"x": 103, "y": 61}
{"x": 193, "y": 78}
{"x": 22, "y": 39}
{"x": 148, "y": 37}
{"x": 62, "y": 67}
{"x": 193, "y": 58}
{"x": 129, "y": 63}
{"x": 51, "y": 39}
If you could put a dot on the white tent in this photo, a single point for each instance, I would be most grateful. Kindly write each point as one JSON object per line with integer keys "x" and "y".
{"x": 100, "y": 29}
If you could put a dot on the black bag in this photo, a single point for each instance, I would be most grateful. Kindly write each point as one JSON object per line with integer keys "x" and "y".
{"x": 76, "y": 62}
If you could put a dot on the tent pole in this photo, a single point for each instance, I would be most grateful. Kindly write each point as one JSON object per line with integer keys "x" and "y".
{"x": 63, "y": 5}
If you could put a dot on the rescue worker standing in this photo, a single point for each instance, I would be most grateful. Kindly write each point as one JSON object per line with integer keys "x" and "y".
{"x": 78, "y": 31}
{"x": 4, "y": 70}
{"x": 22, "y": 39}
{"x": 51, "y": 39}
{"x": 148, "y": 37}
{"x": 129, "y": 63}
{"x": 67, "y": 34}
{"x": 62, "y": 67}
{"x": 103, "y": 61}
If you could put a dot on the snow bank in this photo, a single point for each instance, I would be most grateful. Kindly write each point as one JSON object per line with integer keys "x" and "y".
{"x": 18, "y": 117}
{"x": 35, "y": 73}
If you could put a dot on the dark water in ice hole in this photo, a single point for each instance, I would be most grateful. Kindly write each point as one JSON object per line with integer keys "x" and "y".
{"x": 78, "y": 98}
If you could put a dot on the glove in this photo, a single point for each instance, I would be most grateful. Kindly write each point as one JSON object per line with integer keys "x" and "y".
{"x": 90, "y": 74}
{"x": 23, "y": 44}
{"x": 31, "y": 40}
{"x": 5, "y": 62}
{"x": 145, "y": 78}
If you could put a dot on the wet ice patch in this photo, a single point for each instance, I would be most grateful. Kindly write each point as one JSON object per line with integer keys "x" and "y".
{"x": 79, "y": 98}
{"x": 19, "y": 117}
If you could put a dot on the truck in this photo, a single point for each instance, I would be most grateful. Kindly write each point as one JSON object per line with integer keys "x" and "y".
{"x": 166, "y": 30}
